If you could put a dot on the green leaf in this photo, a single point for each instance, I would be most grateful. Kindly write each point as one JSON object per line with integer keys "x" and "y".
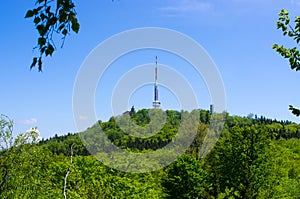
{"x": 40, "y": 64}
{"x": 29, "y": 14}
{"x": 37, "y": 20}
{"x": 75, "y": 26}
{"x": 52, "y": 21}
{"x": 34, "y": 61}
{"x": 287, "y": 21}
{"x": 285, "y": 12}
{"x": 39, "y": 8}
{"x": 48, "y": 10}
{"x": 291, "y": 34}
{"x": 49, "y": 50}
{"x": 42, "y": 41}
{"x": 41, "y": 29}
{"x": 43, "y": 16}
{"x": 295, "y": 111}
{"x": 65, "y": 32}
{"x": 275, "y": 46}
{"x": 62, "y": 16}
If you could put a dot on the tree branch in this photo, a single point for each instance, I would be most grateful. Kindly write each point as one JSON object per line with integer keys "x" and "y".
{"x": 69, "y": 170}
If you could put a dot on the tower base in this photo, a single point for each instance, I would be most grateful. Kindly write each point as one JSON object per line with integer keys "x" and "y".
{"x": 156, "y": 104}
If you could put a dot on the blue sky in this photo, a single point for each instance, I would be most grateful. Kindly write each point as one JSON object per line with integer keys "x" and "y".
{"x": 237, "y": 34}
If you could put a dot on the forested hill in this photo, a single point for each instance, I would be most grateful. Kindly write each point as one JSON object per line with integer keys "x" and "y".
{"x": 254, "y": 157}
{"x": 61, "y": 144}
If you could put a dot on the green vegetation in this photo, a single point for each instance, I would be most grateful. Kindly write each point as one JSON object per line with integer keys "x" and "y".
{"x": 292, "y": 30}
{"x": 254, "y": 158}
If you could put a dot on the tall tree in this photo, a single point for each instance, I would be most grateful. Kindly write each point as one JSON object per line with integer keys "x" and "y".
{"x": 238, "y": 161}
{"x": 13, "y": 150}
{"x": 186, "y": 179}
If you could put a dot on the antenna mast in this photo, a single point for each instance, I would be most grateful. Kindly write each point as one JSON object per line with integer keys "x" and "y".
{"x": 156, "y": 103}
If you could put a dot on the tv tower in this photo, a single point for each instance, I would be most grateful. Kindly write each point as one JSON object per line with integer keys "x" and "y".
{"x": 156, "y": 103}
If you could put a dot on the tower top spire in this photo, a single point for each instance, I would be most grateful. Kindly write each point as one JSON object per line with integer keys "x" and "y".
{"x": 156, "y": 71}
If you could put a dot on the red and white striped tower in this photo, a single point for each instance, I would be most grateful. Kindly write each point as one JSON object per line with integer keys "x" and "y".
{"x": 156, "y": 103}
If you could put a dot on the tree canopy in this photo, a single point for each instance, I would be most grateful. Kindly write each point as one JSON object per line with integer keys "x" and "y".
{"x": 254, "y": 158}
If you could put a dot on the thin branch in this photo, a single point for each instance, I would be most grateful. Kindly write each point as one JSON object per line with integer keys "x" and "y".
{"x": 292, "y": 29}
{"x": 69, "y": 170}
{"x": 4, "y": 179}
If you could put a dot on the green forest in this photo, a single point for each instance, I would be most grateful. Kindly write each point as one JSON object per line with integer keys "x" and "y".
{"x": 254, "y": 157}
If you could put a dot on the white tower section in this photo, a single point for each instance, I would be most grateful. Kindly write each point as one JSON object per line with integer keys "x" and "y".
{"x": 156, "y": 103}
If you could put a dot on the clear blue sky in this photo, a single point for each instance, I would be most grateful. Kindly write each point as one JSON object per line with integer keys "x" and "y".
{"x": 237, "y": 34}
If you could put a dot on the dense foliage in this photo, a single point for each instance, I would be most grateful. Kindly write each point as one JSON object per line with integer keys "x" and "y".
{"x": 255, "y": 157}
